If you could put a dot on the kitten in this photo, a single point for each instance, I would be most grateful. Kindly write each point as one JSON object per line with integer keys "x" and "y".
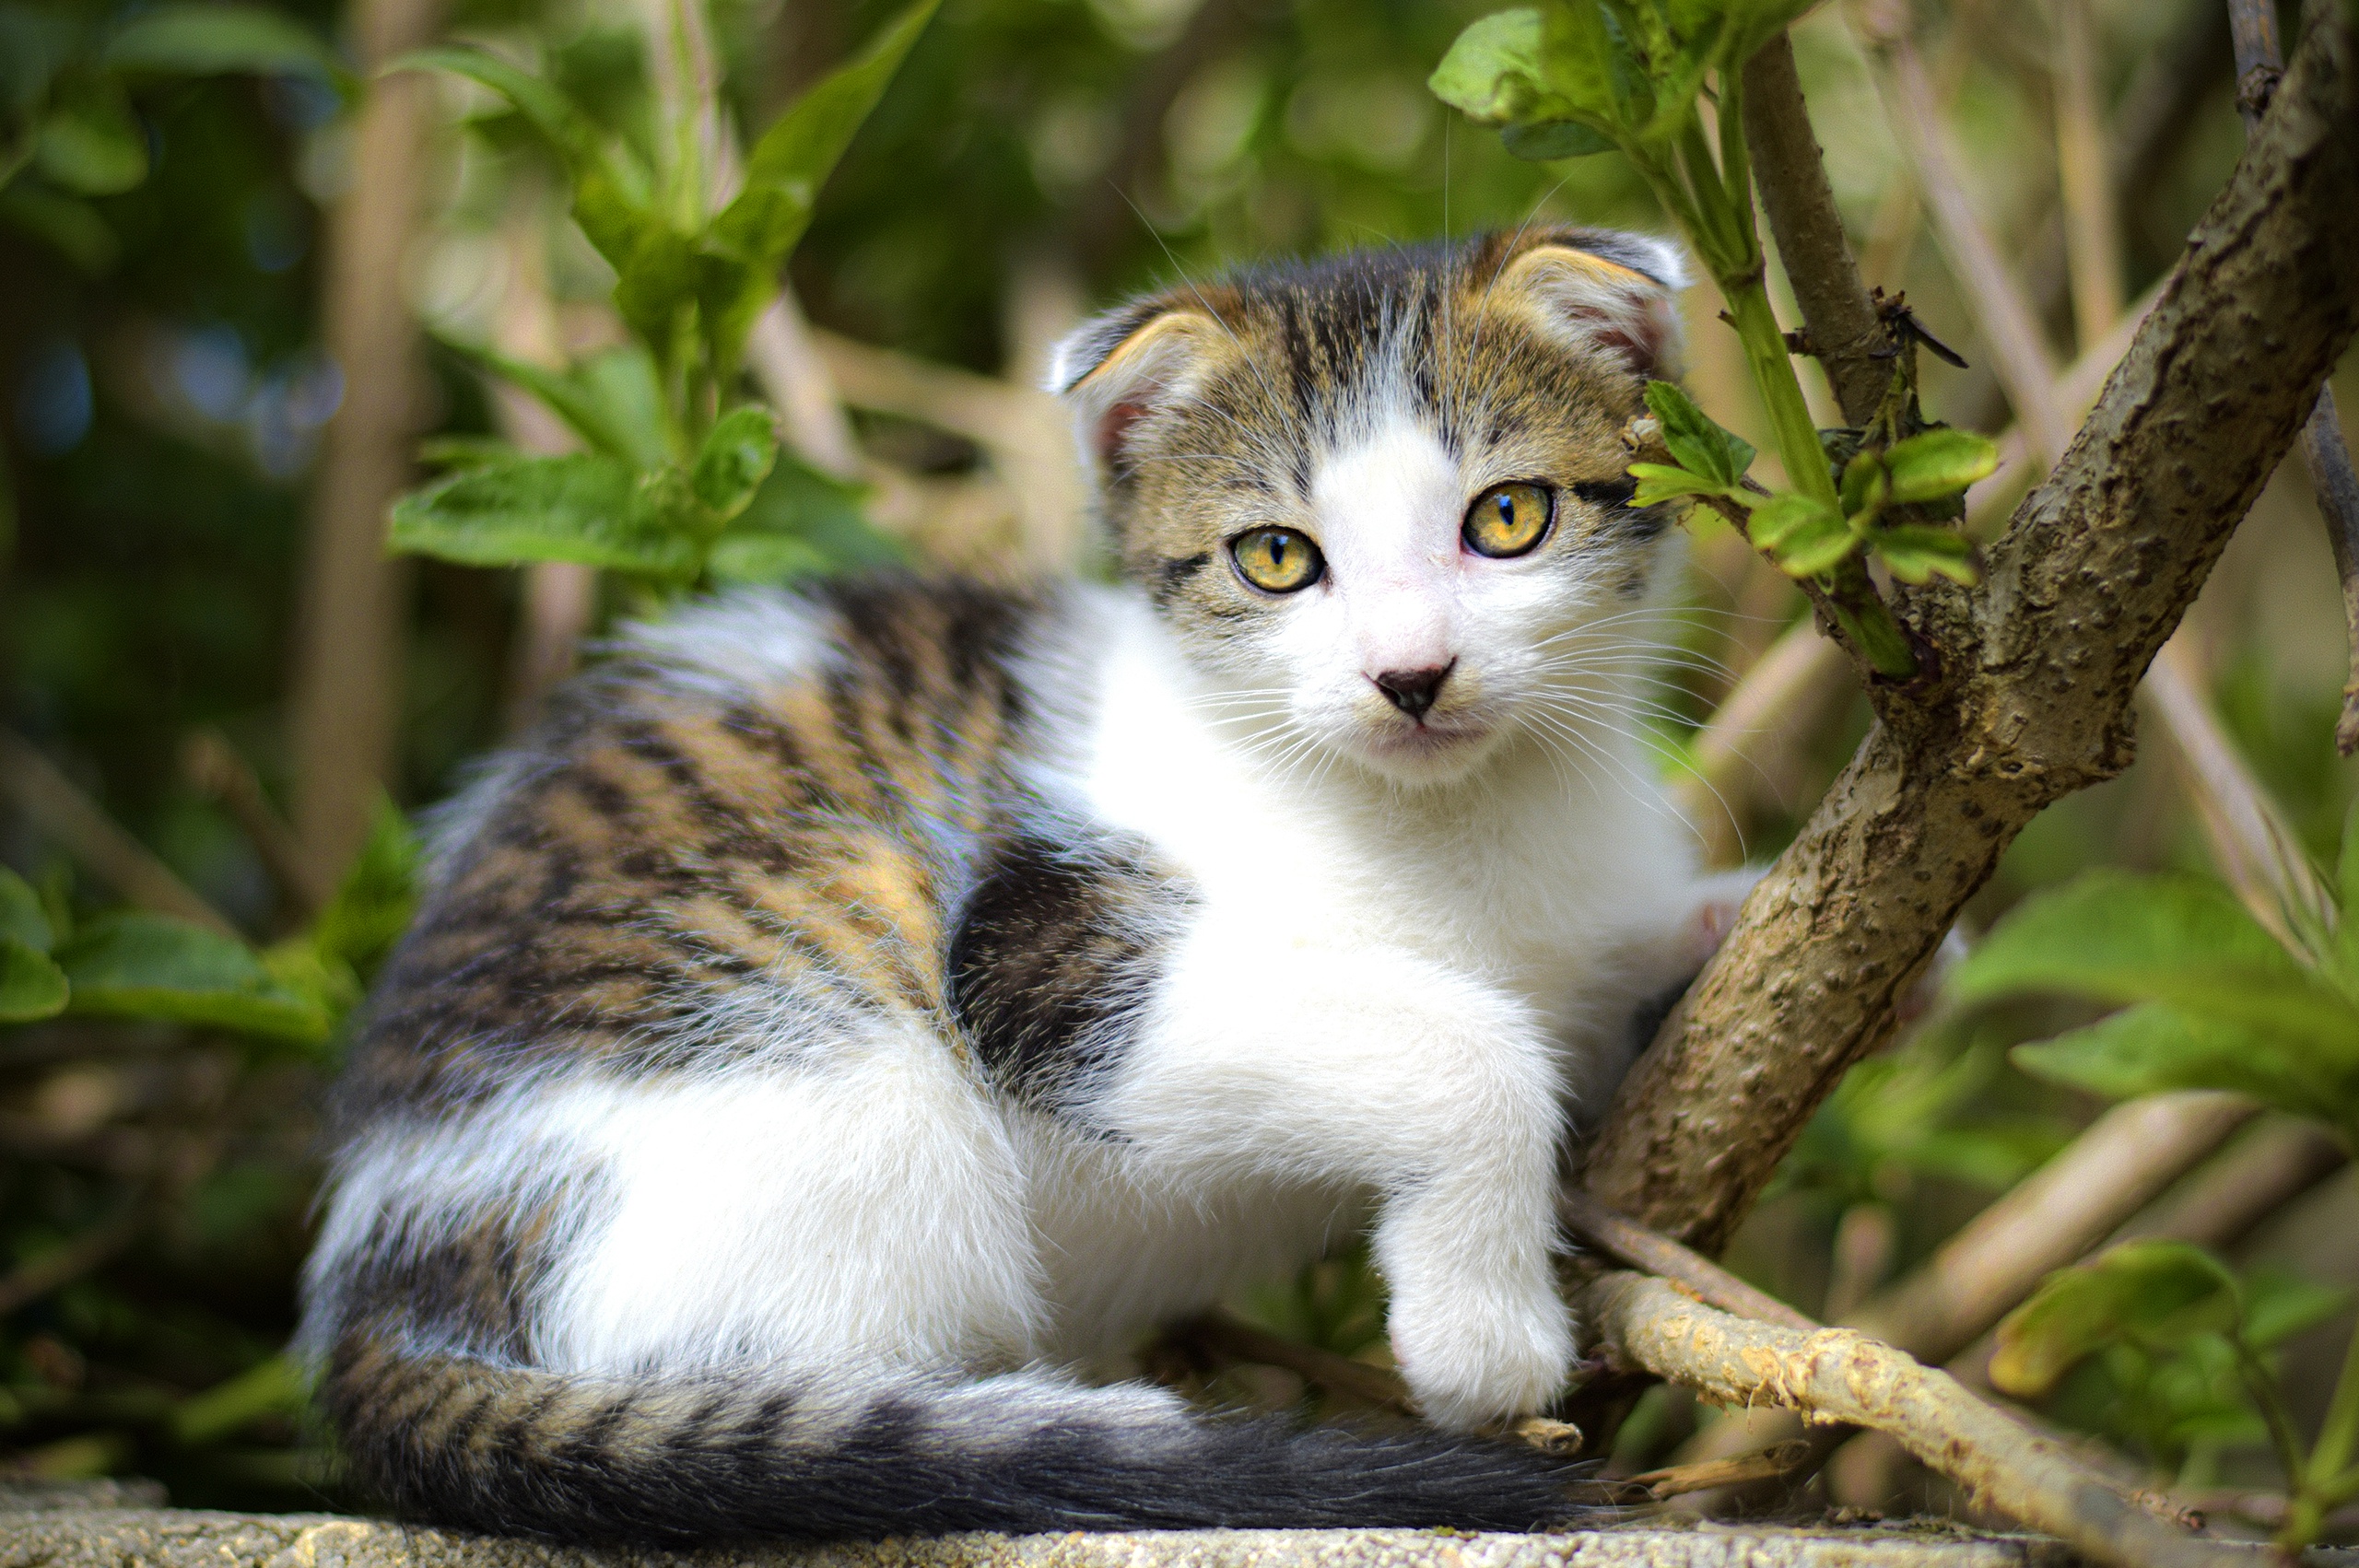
{"x": 854, "y": 1009}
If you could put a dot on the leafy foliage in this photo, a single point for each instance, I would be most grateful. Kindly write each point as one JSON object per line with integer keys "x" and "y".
{"x": 664, "y": 479}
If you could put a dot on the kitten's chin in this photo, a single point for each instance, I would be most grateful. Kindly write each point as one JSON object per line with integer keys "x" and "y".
{"x": 1429, "y": 754}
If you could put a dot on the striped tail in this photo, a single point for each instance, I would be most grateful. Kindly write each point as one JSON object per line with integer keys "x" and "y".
{"x": 447, "y": 1438}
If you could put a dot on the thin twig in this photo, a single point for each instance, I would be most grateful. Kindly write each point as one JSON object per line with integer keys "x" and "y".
{"x": 1768, "y": 1464}
{"x": 68, "y": 815}
{"x": 1626, "y": 1241}
{"x": 1235, "y": 1338}
{"x": 1840, "y": 1375}
{"x": 2259, "y": 62}
{"x": 214, "y": 767}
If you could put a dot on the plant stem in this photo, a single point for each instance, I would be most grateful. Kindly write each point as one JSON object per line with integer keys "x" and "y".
{"x": 2338, "y": 1439}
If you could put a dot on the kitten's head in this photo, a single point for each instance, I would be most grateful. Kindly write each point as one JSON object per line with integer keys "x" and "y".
{"x": 1382, "y": 495}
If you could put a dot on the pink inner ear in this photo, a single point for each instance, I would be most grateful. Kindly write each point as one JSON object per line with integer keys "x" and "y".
{"x": 1116, "y": 425}
{"x": 1639, "y": 335}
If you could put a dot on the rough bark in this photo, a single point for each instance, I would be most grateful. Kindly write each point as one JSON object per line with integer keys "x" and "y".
{"x": 2036, "y": 672}
{"x": 346, "y": 705}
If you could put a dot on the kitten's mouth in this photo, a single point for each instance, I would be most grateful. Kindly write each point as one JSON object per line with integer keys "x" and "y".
{"x": 1424, "y": 738}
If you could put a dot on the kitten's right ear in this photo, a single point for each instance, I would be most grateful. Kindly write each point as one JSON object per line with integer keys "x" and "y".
{"x": 1121, "y": 367}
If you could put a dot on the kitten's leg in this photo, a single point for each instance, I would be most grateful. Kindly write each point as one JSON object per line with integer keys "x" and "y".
{"x": 1384, "y": 1070}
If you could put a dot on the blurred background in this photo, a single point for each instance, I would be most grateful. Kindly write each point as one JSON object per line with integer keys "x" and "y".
{"x": 228, "y": 284}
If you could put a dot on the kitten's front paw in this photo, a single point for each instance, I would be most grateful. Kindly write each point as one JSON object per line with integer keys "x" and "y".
{"x": 1475, "y": 1359}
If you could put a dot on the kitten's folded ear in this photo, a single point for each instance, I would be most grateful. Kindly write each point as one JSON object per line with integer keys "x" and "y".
{"x": 1599, "y": 288}
{"x": 1119, "y": 367}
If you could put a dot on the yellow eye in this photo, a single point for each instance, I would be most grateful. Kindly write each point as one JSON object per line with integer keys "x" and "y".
{"x": 1508, "y": 520}
{"x": 1277, "y": 561}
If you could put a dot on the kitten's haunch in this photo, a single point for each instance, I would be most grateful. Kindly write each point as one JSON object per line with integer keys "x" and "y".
{"x": 852, "y": 1012}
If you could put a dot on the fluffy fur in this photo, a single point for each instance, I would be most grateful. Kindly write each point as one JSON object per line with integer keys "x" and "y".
{"x": 853, "y": 1010}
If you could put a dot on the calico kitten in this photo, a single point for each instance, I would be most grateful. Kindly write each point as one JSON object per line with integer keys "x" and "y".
{"x": 853, "y": 1010}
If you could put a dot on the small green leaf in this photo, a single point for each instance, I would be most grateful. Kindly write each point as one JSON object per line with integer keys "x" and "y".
{"x": 2149, "y": 1292}
{"x": 2117, "y": 937}
{"x": 154, "y": 967}
{"x": 2155, "y": 1047}
{"x": 1804, "y": 536}
{"x": 1493, "y": 72}
{"x": 218, "y": 40}
{"x": 21, "y": 916}
{"x": 585, "y": 507}
{"x": 1865, "y": 483}
{"x": 31, "y": 986}
{"x": 584, "y": 401}
{"x": 623, "y": 381}
{"x": 801, "y": 523}
{"x": 69, "y": 226}
{"x": 1914, "y": 552}
{"x": 544, "y": 107}
{"x": 736, "y": 457}
{"x": 2278, "y": 1305}
{"x": 1550, "y": 140}
{"x": 89, "y": 142}
{"x": 1659, "y": 481}
{"x": 1695, "y": 442}
{"x": 1938, "y": 463}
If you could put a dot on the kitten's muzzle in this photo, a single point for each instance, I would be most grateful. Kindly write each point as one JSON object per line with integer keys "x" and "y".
{"x": 1414, "y": 691}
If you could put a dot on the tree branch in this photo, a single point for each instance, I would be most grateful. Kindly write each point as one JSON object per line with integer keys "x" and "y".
{"x": 1839, "y": 1374}
{"x": 2037, "y": 669}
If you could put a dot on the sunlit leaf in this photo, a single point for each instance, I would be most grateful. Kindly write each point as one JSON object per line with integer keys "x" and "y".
{"x": 2114, "y": 936}
{"x": 799, "y": 523}
{"x": 2141, "y": 1290}
{"x": 582, "y": 401}
{"x": 89, "y": 142}
{"x": 1695, "y": 442}
{"x": 372, "y": 903}
{"x": 31, "y": 986}
{"x": 569, "y": 130}
{"x": 2157, "y": 1046}
{"x": 623, "y": 381}
{"x": 1493, "y": 74}
{"x": 215, "y": 39}
{"x": 1936, "y": 464}
{"x": 586, "y": 508}
{"x": 1659, "y": 483}
{"x": 154, "y": 967}
{"x": 1550, "y": 140}
{"x": 736, "y": 457}
{"x": 1805, "y": 536}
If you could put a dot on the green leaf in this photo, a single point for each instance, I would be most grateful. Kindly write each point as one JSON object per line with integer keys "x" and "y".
{"x": 585, "y": 507}
{"x": 1916, "y": 553}
{"x": 783, "y": 174}
{"x": 736, "y": 457}
{"x": 1803, "y": 536}
{"x": 216, "y": 40}
{"x": 2346, "y": 878}
{"x": 801, "y": 523}
{"x": 1938, "y": 463}
{"x": 2156, "y": 1046}
{"x": 373, "y": 904}
{"x": 89, "y": 142}
{"x": 1698, "y": 444}
{"x": 2114, "y": 936}
{"x": 22, "y": 918}
{"x": 32, "y": 986}
{"x": 549, "y": 111}
{"x": 1550, "y": 140}
{"x": 2278, "y": 1305}
{"x": 2141, "y": 1291}
{"x": 1658, "y": 482}
{"x": 1493, "y": 72}
{"x": 1865, "y": 483}
{"x": 608, "y": 412}
{"x": 154, "y": 967}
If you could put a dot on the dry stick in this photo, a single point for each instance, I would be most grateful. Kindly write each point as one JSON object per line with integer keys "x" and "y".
{"x": 214, "y": 767}
{"x": 2254, "y": 846}
{"x": 345, "y": 709}
{"x": 2092, "y": 232}
{"x": 1233, "y": 1337}
{"x": 53, "y": 805}
{"x": 1842, "y": 1376}
{"x": 2253, "y": 24}
{"x": 1626, "y": 1241}
{"x": 1745, "y": 1469}
{"x": 2037, "y": 669}
{"x": 2121, "y": 1163}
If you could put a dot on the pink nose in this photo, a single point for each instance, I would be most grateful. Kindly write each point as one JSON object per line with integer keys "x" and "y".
{"x": 1413, "y": 691}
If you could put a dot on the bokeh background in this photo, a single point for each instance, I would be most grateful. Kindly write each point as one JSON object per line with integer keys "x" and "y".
{"x": 197, "y": 708}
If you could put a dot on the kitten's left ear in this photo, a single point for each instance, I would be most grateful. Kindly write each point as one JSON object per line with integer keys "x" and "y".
{"x": 1601, "y": 290}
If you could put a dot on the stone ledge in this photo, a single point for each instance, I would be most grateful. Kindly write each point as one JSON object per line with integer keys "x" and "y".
{"x": 134, "y": 1537}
